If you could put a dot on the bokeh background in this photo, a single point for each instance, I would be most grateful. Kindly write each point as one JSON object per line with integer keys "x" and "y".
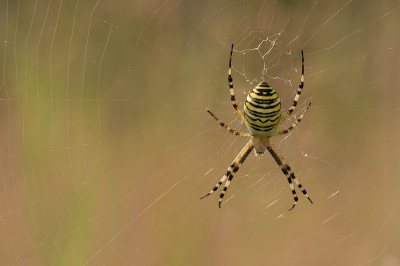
{"x": 106, "y": 146}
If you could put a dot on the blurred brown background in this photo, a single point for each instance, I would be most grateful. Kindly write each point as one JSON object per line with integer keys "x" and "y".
{"x": 106, "y": 146}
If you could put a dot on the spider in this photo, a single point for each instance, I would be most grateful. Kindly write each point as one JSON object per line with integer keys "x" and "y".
{"x": 262, "y": 116}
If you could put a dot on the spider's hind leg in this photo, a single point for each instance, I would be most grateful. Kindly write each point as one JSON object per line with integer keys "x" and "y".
{"x": 231, "y": 91}
{"x": 299, "y": 90}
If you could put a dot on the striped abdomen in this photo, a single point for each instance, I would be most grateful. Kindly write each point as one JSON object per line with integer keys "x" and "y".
{"x": 262, "y": 111}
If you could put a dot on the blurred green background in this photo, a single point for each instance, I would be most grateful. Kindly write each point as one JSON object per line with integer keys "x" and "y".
{"x": 106, "y": 146}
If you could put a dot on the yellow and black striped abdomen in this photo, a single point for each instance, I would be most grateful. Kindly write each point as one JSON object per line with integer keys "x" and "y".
{"x": 262, "y": 111}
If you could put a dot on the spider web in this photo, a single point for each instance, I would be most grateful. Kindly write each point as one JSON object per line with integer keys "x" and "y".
{"x": 107, "y": 147}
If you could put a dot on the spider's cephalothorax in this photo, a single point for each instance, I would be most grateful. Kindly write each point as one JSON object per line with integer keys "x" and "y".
{"x": 262, "y": 116}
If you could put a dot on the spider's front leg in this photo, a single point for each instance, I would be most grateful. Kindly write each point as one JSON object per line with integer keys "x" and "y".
{"x": 289, "y": 174}
{"x": 233, "y": 168}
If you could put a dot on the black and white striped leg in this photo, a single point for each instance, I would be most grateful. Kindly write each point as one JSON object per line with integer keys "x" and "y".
{"x": 293, "y": 125}
{"x": 233, "y": 168}
{"x": 299, "y": 90}
{"x": 230, "y": 80}
{"x": 289, "y": 175}
{"x": 234, "y": 132}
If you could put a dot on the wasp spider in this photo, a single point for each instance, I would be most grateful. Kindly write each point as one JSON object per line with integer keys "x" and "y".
{"x": 262, "y": 115}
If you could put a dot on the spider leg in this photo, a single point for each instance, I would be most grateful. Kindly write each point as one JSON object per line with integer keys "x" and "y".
{"x": 299, "y": 90}
{"x": 230, "y": 80}
{"x": 293, "y": 125}
{"x": 233, "y": 168}
{"x": 234, "y": 132}
{"x": 289, "y": 174}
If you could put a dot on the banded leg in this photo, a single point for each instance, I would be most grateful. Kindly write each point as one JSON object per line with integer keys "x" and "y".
{"x": 233, "y": 168}
{"x": 289, "y": 174}
{"x": 299, "y": 90}
{"x": 230, "y": 80}
{"x": 234, "y": 132}
{"x": 293, "y": 125}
